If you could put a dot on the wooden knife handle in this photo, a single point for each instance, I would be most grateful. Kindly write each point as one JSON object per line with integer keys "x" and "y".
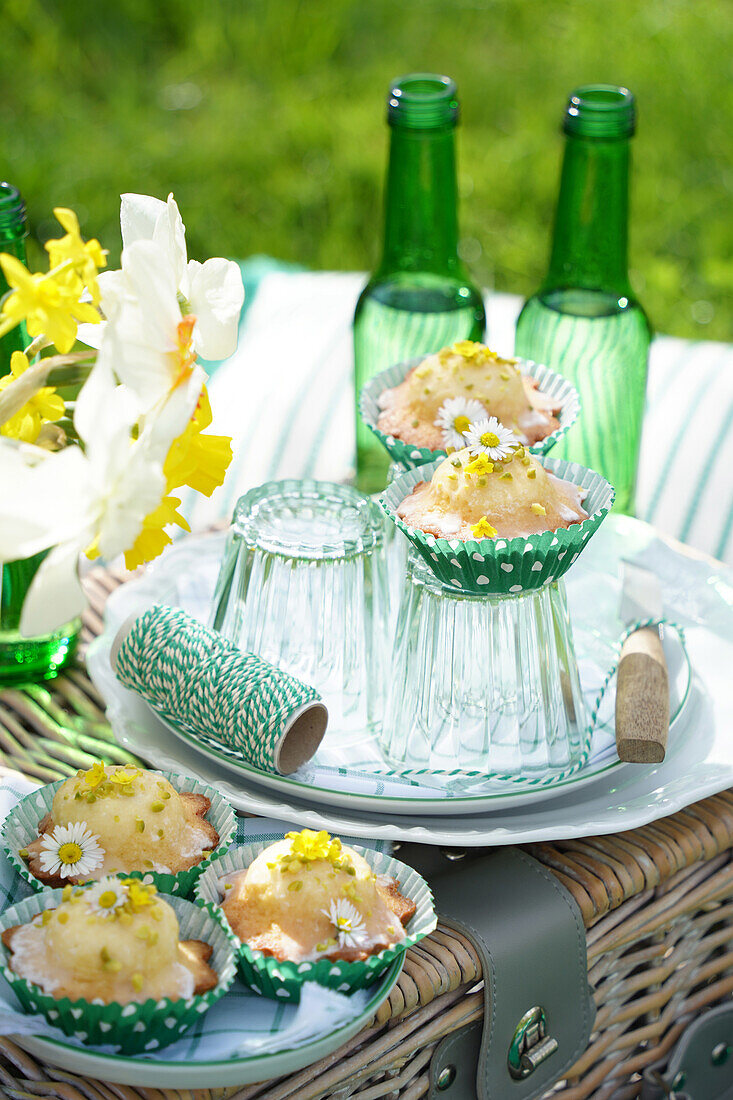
{"x": 642, "y": 699}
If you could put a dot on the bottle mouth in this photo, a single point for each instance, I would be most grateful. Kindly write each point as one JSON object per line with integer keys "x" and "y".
{"x": 422, "y": 101}
{"x": 12, "y": 211}
{"x": 600, "y": 111}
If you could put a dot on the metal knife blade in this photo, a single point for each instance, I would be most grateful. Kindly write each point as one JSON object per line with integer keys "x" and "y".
{"x": 642, "y": 682}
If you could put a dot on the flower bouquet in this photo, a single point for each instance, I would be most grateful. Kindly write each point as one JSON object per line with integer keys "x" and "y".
{"x": 96, "y": 443}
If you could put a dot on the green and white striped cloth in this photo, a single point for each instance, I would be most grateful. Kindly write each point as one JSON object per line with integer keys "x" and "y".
{"x": 286, "y": 397}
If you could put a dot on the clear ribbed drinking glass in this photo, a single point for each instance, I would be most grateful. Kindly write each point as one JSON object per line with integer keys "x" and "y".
{"x": 304, "y": 584}
{"x": 483, "y": 683}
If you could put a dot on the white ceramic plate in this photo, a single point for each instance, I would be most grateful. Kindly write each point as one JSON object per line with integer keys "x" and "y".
{"x": 698, "y": 594}
{"x": 162, "y": 1074}
{"x": 185, "y": 576}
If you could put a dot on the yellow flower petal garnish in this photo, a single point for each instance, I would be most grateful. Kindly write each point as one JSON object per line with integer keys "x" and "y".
{"x": 483, "y": 529}
{"x": 481, "y": 464}
{"x": 95, "y": 775}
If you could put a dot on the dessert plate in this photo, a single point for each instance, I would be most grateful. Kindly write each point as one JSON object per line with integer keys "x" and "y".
{"x": 698, "y": 594}
{"x": 195, "y": 1068}
{"x": 350, "y": 772}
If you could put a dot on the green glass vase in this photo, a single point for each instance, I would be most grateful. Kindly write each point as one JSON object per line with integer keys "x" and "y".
{"x": 421, "y": 297}
{"x": 23, "y": 658}
{"x": 584, "y": 321}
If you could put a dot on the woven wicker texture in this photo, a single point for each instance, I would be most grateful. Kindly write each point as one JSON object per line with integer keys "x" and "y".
{"x": 657, "y": 903}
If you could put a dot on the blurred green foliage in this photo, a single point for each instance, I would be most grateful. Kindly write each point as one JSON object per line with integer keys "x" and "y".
{"x": 266, "y": 119}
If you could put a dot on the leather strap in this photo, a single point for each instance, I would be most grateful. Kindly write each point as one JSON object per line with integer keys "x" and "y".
{"x": 529, "y": 935}
{"x": 701, "y": 1065}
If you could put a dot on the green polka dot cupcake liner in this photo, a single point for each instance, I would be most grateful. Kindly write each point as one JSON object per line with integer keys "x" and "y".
{"x": 20, "y": 828}
{"x": 505, "y": 567}
{"x": 409, "y": 456}
{"x": 283, "y": 980}
{"x": 137, "y": 1027}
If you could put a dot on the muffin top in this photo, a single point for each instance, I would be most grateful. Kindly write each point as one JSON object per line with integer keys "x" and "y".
{"x": 111, "y": 819}
{"x": 116, "y": 941}
{"x": 310, "y": 896}
{"x": 494, "y": 488}
{"x": 439, "y": 398}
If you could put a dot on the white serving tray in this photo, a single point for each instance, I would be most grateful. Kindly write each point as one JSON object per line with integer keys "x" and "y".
{"x": 698, "y": 594}
{"x": 349, "y": 771}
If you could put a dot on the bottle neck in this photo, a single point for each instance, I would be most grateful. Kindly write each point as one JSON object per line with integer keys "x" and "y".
{"x": 421, "y": 208}
{"x": 590, "y": 241}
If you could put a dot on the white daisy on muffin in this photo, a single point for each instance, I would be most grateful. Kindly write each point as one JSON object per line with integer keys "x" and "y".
{"x": 71, "y": 850}
{"x": 487, "y": 436}
{"x": 455, "y": 417}
{"x": 106, "y": 896}
{"x": 347, "y": 921}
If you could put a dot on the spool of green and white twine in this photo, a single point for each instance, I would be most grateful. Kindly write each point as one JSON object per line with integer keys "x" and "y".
{"x": 198, "y": 680}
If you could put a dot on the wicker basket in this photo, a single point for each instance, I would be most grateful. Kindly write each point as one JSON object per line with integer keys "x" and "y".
{"x": 657, "y": 903}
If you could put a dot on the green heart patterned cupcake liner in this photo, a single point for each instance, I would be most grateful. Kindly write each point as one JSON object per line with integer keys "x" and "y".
{"x": 138, "y": 1026}
{"x": 409, "y": 456}
{"x": 20, "y": 828}
{"x": 505, "y": 567}
{"x": 283, "y": 980}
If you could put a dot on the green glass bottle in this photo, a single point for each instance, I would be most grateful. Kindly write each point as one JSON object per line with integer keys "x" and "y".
{"x": 22, "y": 658}
{"x": 585, "y": 321}
{"x": 421, "y": 297}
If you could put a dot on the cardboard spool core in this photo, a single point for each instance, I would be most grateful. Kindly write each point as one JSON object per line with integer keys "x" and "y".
{"x": 301, "y": 737}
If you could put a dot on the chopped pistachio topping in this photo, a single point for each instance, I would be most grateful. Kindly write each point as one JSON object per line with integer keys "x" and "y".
{"x": 538, "y": 509}
{"x": 157, "y": 807}
{"x": 137, "y": 982}
{"x": 532, "y": 473}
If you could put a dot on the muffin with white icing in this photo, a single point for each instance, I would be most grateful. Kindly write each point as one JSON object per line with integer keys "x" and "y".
{"x": 310, "y": 908}
{"x": 116, "y": 963}
{"x": 308, "y": 896}
{"x": 439, "y": 397}
{"x": 112, "y": 819}
{"x": 472, "y": 496}
{"x": 115, "y": 941}
{"x": 493, "y": 518}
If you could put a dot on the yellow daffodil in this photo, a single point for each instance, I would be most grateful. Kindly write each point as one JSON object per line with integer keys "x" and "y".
{"x": 153, "y": 538}
{"x": 197, "y": 460}
{"x": 44, "y": 407}
{"x": 86, "y": 257}
{"x": 48, "y": 303}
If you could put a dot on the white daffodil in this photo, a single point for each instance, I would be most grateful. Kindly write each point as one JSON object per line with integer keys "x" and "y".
{"x": 71, "y": 502}
{"x": 108, "y": 895}
{"x": 487, "y": 436}
{"x": 71, "y": 851}
{"x": 455, "y": 416}
{"x": 347, "y": 921}
{"x": 211, "y": 291}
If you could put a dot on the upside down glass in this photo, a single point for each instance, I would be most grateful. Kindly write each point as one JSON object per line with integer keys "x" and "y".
{"x": 483, "y": 683}
{"x": 303, "y": 584}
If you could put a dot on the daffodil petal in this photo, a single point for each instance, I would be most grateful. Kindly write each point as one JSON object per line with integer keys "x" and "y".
{"x": 215, "y": 293}
{"x": 55, "y": 596}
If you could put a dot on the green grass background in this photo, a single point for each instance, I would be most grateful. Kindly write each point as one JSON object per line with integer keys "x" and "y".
{"x": 266, "y": 119}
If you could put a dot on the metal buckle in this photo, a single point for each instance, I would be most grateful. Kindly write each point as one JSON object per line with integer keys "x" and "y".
{"x": 530, "y": 1045}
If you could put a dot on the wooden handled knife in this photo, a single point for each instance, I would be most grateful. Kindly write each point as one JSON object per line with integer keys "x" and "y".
{"x": 642, "y": 682}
